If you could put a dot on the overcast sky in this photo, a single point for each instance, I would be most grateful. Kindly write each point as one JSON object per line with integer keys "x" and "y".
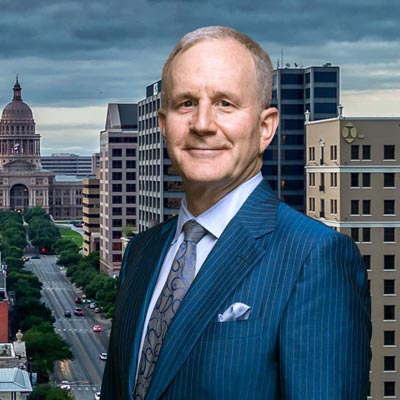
{"x": 73, "y": 57}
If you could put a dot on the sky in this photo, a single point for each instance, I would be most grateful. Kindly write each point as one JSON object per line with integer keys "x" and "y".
{"x": 73, "y": 57}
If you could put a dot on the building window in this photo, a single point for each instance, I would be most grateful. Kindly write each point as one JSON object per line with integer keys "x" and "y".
{"x": 388, "y": 207}
{"x": 388, "y": 180}
{"x": 117, "y": 187}
{"x": 333, "y": 152}
{"x": 389, "y": 262}
{"x": 366, "y": 152}
{"x": 322, "y": 182}
{"x": 388, "y": 152}
{"x": 333, "y": 206}
{"x": 354, "y": 183}
{"x": 333, "y": 179}
{"x": 389, "y": 364}
{"x": 117, "y": 164}
{"x": 355, "y": 152}
{"x": 311, "y": 153}
{"x": 354, "y": 207}
{"x": 367, "y": 261}
{"x": 116, "y": 152}
{"x": 389, "y": 338}
{"x": 389, "y": 389}
{"x": 388, "y": 235}
{"x": 388, "y": 286}
{"x": 117, "y": 176}
{"x": 311, "y": 205}
{"x": 389, "y": 312}
{"x": 366, "y": 180}
{"x": 366, "y": 207}
{"x": 355, "y": 234}
{"x": 366, "y": 232}
{"x": 312, "y": 179}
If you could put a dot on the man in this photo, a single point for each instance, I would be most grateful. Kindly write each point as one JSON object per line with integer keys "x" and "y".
{"x": 279, "y": 307}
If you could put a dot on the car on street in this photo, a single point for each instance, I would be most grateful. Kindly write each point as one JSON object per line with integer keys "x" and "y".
{"x": 97, "y": 396}
{"x": 96, "y": 328}
{"x": 35, "y": 257}
{"x": 67, "y": 314}
{"x": 92, "y": 306}
{"x": 78, "y": 300}
{"x": 78, "y": 311}
{"x": 103, "y": 356}
{"x": 65, "y": 385}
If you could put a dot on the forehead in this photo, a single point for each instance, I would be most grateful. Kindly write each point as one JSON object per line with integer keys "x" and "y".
{"x": 213, "y": 59}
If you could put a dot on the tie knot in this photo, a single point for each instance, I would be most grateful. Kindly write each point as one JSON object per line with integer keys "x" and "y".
{"x": 193, "y": 231}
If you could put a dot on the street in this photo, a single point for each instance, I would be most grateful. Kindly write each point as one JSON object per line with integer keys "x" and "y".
{"x": 85, "y": 372}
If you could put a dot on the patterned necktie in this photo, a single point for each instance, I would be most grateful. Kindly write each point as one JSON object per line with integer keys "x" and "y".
{"x": 178, "y": 282}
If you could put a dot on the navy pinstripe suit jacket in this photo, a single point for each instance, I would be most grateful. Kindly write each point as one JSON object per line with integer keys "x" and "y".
{"x": 308, "y": 334}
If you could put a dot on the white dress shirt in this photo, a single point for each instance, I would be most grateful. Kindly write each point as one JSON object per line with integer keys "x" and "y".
{"x": 215, "y": 220}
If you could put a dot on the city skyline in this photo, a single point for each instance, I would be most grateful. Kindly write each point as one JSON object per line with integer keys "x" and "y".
{"x": 75, "y": 57}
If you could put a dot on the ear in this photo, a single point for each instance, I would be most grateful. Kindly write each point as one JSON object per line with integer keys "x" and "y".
{"x": 269, "y": 120}
{"x": 161, "y": 121}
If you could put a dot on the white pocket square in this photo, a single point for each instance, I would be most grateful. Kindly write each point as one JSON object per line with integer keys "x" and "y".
{"x": 235, "y": 312}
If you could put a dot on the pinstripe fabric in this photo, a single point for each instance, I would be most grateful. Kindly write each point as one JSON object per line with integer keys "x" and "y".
{"x": 308, "y": 334}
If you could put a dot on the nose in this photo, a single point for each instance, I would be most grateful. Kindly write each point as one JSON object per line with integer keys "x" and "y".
{"x": 203, "y": 120}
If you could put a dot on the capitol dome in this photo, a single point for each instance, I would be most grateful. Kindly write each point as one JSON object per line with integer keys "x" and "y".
{"x": 17, "y": 110}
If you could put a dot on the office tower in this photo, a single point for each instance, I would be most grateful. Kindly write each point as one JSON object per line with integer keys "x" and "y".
{"x": 160, "y": 187}
{"x": 4, "y": 304}
{"x": 297, "y": 90}
{"x": 23, "y": 181}
{"x": 91, "y": 215}
{"x": 353, "y": 185}
{"x": 69, "y": 164}
{"x": 117, "y": 183}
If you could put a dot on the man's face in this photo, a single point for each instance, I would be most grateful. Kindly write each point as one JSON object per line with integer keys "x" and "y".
{"x": 213, "y": 126}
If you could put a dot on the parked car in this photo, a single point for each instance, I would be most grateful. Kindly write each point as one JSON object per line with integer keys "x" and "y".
{"x": 103, "y": 356}
{"x": 78, "y": 300}
{"x": 65, "y": 385}
{"x": 67, "y": 314}
{"x": 78, "y": 311}
{"x": 35, "y": 257}
{"x": 97, "y": 396}
{"x": 96, "y": 328}
{"x": 92, "y": 306}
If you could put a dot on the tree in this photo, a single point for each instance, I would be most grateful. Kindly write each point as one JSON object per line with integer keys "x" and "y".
{"x": 48, "y": 392}
{"x": 45, "y": 347}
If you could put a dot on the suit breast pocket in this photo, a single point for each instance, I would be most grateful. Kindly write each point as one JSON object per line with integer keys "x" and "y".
{"x": 217, "y": 331}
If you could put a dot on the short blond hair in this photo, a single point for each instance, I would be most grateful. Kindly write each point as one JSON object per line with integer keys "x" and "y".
{"x": 261, "y": 59}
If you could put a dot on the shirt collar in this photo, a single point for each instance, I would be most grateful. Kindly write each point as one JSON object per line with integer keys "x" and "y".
{"x": 217, "y": 217}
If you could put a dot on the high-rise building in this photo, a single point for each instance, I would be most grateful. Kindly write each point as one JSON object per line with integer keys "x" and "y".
{"x": 160, "y": 187}
{"x": 295, "y": 91}
{"x": 353, "y": 185}
{"x": 69, "y": 164}
{"x": 118, "y": 144}
{"x": 23, "y": 181}
{"x": 4, "y": 304}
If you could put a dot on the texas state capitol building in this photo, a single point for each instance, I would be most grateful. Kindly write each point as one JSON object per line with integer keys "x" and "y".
{"x": 23, "y": 182}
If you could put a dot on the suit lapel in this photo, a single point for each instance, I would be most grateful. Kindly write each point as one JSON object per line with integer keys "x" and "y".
{"x": 136, "y": 291}
{"x": 236, "y": 253}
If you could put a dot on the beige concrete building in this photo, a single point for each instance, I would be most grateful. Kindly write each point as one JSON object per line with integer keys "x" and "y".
{"x": 118, "y": 144}
{"x": 353, "y": 185}
{"x": 91, "y": 215}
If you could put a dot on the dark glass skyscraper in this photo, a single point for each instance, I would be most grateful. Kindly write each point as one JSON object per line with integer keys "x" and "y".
{"x": 296, "y": 91}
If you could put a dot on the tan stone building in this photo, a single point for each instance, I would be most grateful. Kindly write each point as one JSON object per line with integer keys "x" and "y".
{"x": 91, "y": 215}
{"x": 353, "y": 185}
{"x": 23, "y": 181}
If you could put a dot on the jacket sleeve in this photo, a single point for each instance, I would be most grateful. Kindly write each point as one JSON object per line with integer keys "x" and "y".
{"x": 324, "y": 341}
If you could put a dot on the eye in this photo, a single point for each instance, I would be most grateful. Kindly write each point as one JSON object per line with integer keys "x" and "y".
{"x": 187, "y": 103}
{"x": 225, "y": 103}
